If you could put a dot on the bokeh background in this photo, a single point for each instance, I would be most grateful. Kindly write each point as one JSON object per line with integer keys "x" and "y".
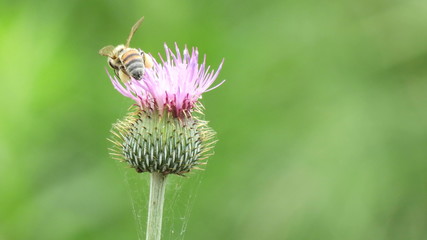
{"x": 322, "y": 122}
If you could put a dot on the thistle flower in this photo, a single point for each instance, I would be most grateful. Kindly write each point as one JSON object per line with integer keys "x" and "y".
{"x": 175, "y": 84}
{"x": 165, "y": 132}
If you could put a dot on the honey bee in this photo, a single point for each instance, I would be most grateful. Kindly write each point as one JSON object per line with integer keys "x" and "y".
{"x": 127, "y": 62}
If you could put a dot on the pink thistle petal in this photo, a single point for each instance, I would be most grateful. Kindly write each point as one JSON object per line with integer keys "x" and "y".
{"x": 175, "y": 83}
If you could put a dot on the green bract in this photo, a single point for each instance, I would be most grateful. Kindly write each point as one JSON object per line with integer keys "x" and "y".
{"x": 153, "y": 142}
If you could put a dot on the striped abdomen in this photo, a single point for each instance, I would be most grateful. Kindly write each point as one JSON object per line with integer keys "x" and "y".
{"x": 133, "y": 63}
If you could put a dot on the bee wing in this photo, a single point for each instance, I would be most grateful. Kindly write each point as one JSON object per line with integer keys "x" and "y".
{"x": 133, "y": 30}
{"x": 107, "y": 51}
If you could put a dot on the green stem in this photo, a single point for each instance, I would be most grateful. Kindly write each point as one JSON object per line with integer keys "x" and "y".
{"x": 155, "y": 206}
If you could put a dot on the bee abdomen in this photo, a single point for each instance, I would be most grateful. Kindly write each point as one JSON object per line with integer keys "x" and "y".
{"x": 134, "y": 64}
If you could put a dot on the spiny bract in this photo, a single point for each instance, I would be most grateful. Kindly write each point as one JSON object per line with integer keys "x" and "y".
{"x": 152, "y": 142}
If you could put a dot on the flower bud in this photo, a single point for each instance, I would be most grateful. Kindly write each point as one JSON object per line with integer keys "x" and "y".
{"x": 153, "y": 142}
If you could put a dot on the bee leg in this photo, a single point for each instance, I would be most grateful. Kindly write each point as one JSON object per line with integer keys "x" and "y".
{"x": 123, "y": 76}
{"x": 116, "y": 71}
{"x": 148, "y": 61}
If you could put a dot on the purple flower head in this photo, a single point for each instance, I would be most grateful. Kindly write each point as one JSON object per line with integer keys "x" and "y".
{"x": 175, "y": 84}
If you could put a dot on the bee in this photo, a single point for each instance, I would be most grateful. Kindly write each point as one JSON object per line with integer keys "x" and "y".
{"x": 127, "y": 62}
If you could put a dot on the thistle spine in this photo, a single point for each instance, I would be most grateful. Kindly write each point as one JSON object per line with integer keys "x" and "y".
{"x": 152, "y": 142}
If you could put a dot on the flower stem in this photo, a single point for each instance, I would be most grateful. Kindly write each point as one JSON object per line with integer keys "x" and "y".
{"x": 155, "y": 206}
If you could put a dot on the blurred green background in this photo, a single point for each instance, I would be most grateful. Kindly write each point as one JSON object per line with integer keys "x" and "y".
{"x": 322, "y": 122}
